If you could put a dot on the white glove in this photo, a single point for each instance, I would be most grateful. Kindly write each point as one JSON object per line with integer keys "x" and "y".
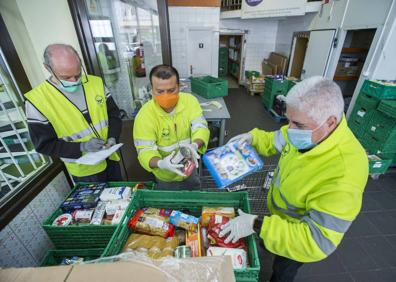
{"x": 238, "y": 227}
{"x": 242, "y": 138}
{"x": 111, "y": 142}
{"x": 166, "y": 164}
{"x": 193, "y": 147}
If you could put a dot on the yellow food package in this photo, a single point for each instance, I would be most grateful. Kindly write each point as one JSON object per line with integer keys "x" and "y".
{"x": 154, "y": 246}
{"x": 207, "y": 212}
{"x": 193, "y": 239}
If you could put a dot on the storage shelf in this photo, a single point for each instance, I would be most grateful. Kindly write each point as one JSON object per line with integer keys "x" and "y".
{"x": 346, "y": 78}
{"x": 234, "y": 61}
{"x": 354, "y": 50}
{"x": 235, "y": 48}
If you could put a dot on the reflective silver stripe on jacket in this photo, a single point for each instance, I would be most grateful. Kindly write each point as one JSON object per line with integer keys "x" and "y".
{"x": 282, "y": 210}
{"x": 279, "y": 141}
{"x": 174, "y": 146}
{"x": 199, "y": 122}
{"x": 87, "y": 131}
{"x": 323, "y": 243}
{"x": 149, "y": 145}
{"x": 67, "y": 160}
{"x": 329, "y": 221}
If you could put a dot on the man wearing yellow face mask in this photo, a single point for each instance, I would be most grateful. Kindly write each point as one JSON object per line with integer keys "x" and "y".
{"x": 169, "y": 122}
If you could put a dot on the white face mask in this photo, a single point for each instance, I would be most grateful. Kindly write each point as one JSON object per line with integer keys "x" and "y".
{"x": 302, "y": 138}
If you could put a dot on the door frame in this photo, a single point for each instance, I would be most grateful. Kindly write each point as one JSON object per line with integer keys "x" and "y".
{"x": 242, "y": 78}
{"x": 80, "y": 17}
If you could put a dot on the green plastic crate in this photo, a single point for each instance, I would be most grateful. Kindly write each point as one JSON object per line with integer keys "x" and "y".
{"x": 367, "y": 101}
{"x": 378, "y": 165}
{"x": 388, "y": 107}
{"x": 376, "y": 146}
{"x": 379, "y": 90}
{"x": 382, "y": 126}
{"x": 249, "y": 74}
{"x": 83, "y": 236}
{"x": 194, "y": 201}
{"x": 290, "y": 84}
{"x": 209, "y": 87}
{"x": 55, "y": 257}
{"x": 277, "y": 85}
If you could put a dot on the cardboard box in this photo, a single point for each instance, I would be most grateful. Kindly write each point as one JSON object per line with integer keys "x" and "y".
{"x": 275, "y": 64}
{"x": 118, "y": 271}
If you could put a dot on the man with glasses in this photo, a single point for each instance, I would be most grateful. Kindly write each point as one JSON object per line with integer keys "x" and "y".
{"x": 169, "y": 122}
{"x": 318, "y": 186}
{"x": 73, "y": 113}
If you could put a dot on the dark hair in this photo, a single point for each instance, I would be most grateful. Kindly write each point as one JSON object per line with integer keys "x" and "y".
{"x": 164, "y": 72}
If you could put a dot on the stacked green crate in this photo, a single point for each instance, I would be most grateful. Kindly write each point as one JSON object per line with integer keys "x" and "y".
{"x": 223, "y": 61}
{"x": 272, "y": 88}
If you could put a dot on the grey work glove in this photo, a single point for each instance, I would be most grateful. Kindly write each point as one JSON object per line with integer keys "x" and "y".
{"x": 242, "y": 138}
{"x": 111, "y": 142}
{"x": 238, "y": 227}
{"x": 92, "y": 145}
{"x": 166, "y": 164}
{"x": 193, "y": 148}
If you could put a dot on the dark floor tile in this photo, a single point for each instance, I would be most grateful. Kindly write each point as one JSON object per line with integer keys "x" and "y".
{"x": 362, "y": 226}
{"x": 330, "y": 265}
{"x": 345, "y": 277}
{"x": 372, "y": 186}
{"x": 370, "y": 203}
{"x": 391, "y": 239}
{"x": 385, "y": 200}
{"x": 384, "y": 221}
{"x": 384, "y": 275}
{"x": 380, "y": 250}
{"x": 353, "y": 257}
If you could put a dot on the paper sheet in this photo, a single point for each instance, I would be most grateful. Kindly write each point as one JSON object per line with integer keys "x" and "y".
{"x": 97, "y": 157}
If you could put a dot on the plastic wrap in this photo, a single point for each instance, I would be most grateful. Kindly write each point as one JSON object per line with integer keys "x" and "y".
{"x": 174, "y": 270}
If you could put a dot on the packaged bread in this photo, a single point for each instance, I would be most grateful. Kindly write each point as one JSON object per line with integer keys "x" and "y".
{"x": 153, "y": 246}
{"x": 208, "y": 212}
{"x": 151, "y": 224}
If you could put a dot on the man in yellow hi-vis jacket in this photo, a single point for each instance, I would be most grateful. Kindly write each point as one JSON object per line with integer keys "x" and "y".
{"x": 318, "y": 185}
{"x": 73, "y": 113}
{"x": 165, "y": 124}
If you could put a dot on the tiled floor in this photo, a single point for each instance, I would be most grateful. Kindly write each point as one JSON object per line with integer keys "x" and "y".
{"x": 368, "y": 251}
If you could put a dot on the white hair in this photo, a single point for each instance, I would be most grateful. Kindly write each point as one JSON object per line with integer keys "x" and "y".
{"x": 318, "y": 97}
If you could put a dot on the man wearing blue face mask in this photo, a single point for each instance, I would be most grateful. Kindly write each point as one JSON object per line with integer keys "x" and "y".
{"x": 73, "y": 113}
{"x": 319, "y": 182}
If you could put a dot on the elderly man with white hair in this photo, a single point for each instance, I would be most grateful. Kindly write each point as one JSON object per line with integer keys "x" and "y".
{"x": 318, "y": 185}
{"x": 72, "y": 113}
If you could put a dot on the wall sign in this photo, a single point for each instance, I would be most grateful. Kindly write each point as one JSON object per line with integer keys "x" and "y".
{"x": 272, "y": 8}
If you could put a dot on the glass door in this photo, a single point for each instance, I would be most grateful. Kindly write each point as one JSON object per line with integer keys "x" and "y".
{"x": 127, "y": 44}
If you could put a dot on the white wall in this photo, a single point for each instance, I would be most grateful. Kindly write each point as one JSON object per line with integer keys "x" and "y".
{"x": 260, "y": 39}
{"x": 180, "y": 18}
{"x": 286, "y": 29}
{"x": 35, "y": 24}
{"x": 23, "y": 242}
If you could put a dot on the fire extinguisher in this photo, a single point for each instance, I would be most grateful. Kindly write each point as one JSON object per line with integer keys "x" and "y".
{"x": 138, "y": 62}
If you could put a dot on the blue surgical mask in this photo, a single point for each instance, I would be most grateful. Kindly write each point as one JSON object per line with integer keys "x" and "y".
{"x": 70, "y": 86}
{"x": 302, "y": 138}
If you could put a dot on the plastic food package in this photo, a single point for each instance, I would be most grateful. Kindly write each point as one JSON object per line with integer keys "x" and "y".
{"x": 214, "y": 229}
{"x": 154, "y": 246}
{"x": 151, "y": 224}
{"x": 182, "y": 220}
{"x": 161, "y": 212}
{"x": 113, "y": 206}
{"x": 82, "y": 216}
{"x": 72, "y": 260}
{"x": 63, "y": 220}
{"x": 238, "y": 256}
{"x": 193, "y": 240}
{"x": 99, "y": 213}
{"x": 208, "y": 212}
{"x": 116, "y": 193}
{"x": 117, "y": 217}
{"x": 232, "y": 162}
{"x": 84, "y": 197}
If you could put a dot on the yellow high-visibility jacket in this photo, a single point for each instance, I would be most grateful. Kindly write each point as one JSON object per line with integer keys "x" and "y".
{"x": 69, "y": 123}
{"x": 315, "y": 195}
{"x": 157, "y": 133}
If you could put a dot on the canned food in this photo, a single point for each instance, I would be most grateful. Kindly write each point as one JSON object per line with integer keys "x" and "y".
{"x": 183, "y": 252}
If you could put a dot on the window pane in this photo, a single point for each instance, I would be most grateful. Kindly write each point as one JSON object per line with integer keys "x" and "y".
{"x": 19, "y": 162}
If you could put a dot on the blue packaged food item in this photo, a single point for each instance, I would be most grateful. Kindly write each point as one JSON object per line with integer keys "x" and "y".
{"x": 84, "y": 197}
{"x": 231, "y": 162}
{"x": 182, "y": 220}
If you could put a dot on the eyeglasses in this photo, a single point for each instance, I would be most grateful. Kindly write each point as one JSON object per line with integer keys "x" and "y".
{"x": 76, "y": 78}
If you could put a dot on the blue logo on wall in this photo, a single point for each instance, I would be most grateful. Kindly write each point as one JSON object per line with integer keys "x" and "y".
{"x": 253, "y": 2}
